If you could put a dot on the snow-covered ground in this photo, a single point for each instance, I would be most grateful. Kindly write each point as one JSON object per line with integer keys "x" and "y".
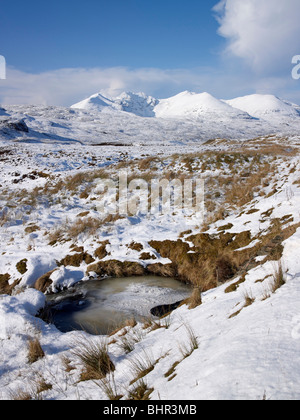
{"x": 242, "y": 342}
{"x": 136, "y": 119}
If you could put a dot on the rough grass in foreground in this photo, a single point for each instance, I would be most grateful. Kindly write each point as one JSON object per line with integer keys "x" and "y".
{"x": 94, "y": 359}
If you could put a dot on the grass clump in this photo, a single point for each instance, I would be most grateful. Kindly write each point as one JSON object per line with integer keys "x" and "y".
{"x": 233, "y": 287}
{"x": 192, "y": 343}
{"x": 35, "y": 351}
{"x": 128, "y": 341}
{"x": 141, "y": 367}
{"x": 141, "y": 392}
{"x": 279, "y": 278}
{"x": 95, "y": 360}
{"x": 171, "y": 371}
{"x": 195, "y": 299}
{"x": 22, "y": 266}
{"x": 5, "y": 287}
{"x": 109, "y": 387}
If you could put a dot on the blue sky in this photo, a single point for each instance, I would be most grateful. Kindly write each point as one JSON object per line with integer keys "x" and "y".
{"x": 60, "y": 52}
{"x": 39, "y": 36}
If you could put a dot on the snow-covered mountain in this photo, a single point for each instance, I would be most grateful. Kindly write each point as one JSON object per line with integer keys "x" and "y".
{"x": 134, "y": 103}
{"x": 95, "y": 102}
{"x": 195, "y": 106}
{"x": 135, "y": 118}
{"x": 265, "y": 106}
{"x": 137, "y": 103}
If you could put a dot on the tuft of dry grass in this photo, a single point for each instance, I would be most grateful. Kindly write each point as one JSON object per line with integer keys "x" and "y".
{"x": 195, "y": 299}
{"x": 35, "y": 351}
{"x": 5, "y": 287}
{"x": 249, "y": 299}
{"x": 21, "y": 395}
{"x": 109, "y": 387}
{"x": 141, "y": 392}
{"x": 88, "y": 225}
{"x": 142, "y": 366}
{"x": 192, "y": 342}
{"x": 129, "y": 340}
{"x": 279, "y": 278}
{"x": 94, "y": 358}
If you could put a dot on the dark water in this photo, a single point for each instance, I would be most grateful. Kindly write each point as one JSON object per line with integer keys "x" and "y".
{"x": 100, "y": 306}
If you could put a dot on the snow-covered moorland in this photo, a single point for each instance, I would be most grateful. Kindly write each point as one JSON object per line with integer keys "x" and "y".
{"x": 238, "y": 335}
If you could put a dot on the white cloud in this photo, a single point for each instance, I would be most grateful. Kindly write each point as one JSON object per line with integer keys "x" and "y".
{"x": 265, "y": 33}
{"x": 67, "y": 86}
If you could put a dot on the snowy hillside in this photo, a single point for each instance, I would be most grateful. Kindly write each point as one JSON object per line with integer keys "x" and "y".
{"x": 96, "y": 102}
{"x": 192, "y": 105}
{"x": 236, "y": 335}
{"x": 134, "y": 103}
{"x": 239, "y": 341}
{"x": 266, "y": 107}
{"x": 137, "y": 119}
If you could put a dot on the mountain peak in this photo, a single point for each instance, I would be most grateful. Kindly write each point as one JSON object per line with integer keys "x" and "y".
{"x": 196, "y": 105}
{"x": 135, "y": 103}
{"x": 265, "y": 106}
{"x": 192, "y": 105}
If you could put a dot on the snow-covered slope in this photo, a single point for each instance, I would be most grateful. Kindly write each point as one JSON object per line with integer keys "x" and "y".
{"x": 190, "y": 105}
{"x": 64, "y": 125}
{"x": 265, "y": 106}
{"x": 247, "y": 337}
{"x": 95, "y": 102}
{"x": 193, "y": 105}
{"x": 135, "y": 119}
{"x": 184, "y": 105}
{"x": 134, "y": 103}
{"x": 137, "y": 103}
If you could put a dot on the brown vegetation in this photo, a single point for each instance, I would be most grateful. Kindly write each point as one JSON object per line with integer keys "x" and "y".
{"x": 35, "y": 351}
{"x": 76, "y": 260}
{"x": 115, "y": 268}
{"x": 5, "y": 287}
{"x": 94, "y": 358}
{"x": 44, "y": 282}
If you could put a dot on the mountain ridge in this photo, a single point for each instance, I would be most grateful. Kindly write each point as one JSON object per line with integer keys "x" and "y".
{"x": 193, "y": 105}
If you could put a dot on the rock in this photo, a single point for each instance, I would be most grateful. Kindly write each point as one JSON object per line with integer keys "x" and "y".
{"x": 162, "y": 310}
{"x": 18, "y": 125}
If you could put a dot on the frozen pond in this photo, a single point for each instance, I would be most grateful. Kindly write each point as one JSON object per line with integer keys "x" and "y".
{"x": 100, "y": 306}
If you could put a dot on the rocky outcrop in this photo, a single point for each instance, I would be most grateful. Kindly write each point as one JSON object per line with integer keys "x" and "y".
{"x": 16, "y": 125}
